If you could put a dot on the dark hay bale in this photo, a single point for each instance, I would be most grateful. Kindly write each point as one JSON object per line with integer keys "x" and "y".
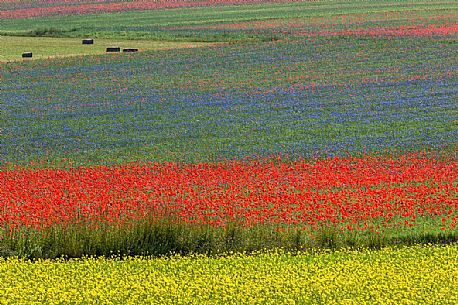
{"x": 27, "y": 55}
{"x": 113, "y": 49}
{"x": 129, "y": 50}
{"x": 88, "y": 41}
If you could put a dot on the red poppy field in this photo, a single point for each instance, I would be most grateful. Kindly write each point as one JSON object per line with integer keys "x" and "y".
{"x": 346, "y": 193}
{"x": 367, "y": 195}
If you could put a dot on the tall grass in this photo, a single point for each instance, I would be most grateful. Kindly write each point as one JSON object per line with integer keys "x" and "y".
{"x": 165, "y": 237}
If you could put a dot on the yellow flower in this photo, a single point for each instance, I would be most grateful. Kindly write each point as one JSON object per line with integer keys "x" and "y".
{"x": 411, "y": 275}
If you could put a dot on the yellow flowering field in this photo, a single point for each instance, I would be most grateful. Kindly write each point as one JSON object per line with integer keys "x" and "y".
{"x": 409, "y": 275}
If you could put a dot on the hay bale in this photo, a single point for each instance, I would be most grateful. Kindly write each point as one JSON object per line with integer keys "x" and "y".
{"x": 27, "y": 55}
{"x": 113, "y": 49}
{"x": 129, "y": 50}
{"x": 88, "y": 41}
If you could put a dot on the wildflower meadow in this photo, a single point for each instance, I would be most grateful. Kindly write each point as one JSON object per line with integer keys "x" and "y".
{"x": 247, "y": 152}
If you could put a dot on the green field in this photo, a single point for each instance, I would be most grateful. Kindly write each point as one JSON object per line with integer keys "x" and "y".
{"x": 11, "y": 47}
{"x": 197, "y": 24}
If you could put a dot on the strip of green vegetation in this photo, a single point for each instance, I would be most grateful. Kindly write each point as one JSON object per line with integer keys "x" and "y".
{"x": 45, "y": 47}
{"x": 180, "y": 24}
{"x": 163, "y": 237}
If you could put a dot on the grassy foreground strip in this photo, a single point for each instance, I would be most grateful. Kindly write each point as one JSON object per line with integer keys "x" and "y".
{"x": 409, "y": 275}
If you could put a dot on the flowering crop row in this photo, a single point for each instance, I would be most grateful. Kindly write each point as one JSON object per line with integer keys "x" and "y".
{"x": 24, "y": 9}
{"x": 263, "y": 28}
{"x": 416, "y": 275}
{"x": 365, "y": 193}
{"x": 431, "y": 30}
